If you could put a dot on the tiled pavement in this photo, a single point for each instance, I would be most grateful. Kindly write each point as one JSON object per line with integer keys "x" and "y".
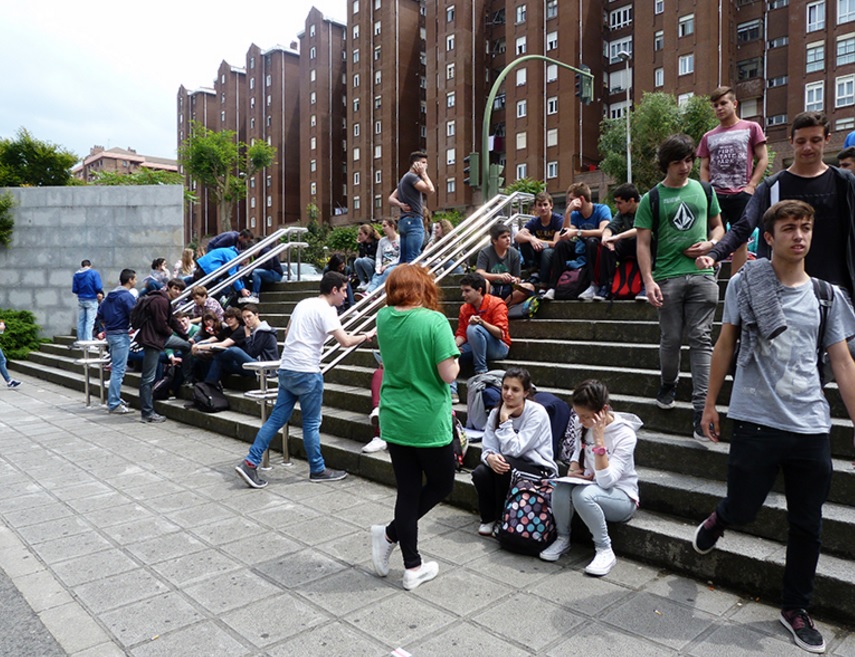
{"x": 132, "y": 539}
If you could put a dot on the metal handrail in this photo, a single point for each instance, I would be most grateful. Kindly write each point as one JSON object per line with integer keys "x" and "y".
{"x": 472, "y": 233}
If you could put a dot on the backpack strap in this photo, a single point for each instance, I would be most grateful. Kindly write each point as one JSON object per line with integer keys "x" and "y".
{"x": 653, "y": 199}
{"x": 825, "y": 296}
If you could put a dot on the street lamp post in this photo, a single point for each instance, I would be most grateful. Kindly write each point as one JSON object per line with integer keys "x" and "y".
{"x": 625, "y": 57}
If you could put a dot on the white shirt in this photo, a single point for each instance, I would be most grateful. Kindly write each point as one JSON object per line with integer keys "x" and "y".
{"x": 311, "y": 322}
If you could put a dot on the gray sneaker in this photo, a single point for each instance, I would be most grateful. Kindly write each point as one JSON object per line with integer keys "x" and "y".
{"x": 250, "y": 475}
{"x": 154, "y": 417}
{"x": 327, "y": 475}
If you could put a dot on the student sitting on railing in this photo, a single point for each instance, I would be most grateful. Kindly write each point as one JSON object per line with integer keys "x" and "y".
{"x": 215, "y": 259}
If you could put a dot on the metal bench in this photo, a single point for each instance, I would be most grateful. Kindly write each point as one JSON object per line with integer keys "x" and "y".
{"x": 86, "y": 346}
{"x": 263, "y": 396}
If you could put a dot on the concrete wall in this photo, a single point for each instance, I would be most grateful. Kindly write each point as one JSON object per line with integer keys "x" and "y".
{"x": 57, "y": 227}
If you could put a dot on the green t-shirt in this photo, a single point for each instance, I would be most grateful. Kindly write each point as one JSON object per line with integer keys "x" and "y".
{"x": 682, "y": 222}
{"x": 415, "y": 403}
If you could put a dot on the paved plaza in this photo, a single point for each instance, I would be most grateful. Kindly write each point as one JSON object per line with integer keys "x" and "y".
{"x": 122, "y": 538}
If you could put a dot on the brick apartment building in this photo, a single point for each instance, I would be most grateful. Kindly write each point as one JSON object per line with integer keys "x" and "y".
{"x": 403, "y": 75}
{"x": 119, "y": 160}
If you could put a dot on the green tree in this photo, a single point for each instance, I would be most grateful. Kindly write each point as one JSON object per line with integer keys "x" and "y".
{"x": 7, "y": 223}
{"x": 221, "y": 163}
{"x": 453, "y": 216}
{"x": 528, "y": 185}
{"x": 656, "y": 117}
{"x": 29, "y": 162}
{"x": 141, "y": 177}
{"x": 342, "y": 239}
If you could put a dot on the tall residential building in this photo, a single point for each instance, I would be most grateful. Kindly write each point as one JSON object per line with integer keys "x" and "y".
{"x": 199, "y": 105}
{"x": 322, "y": 118}
{"x": 386, "y": 100}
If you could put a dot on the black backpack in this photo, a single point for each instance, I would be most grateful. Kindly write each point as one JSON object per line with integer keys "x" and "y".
{"x": 162, "y": 388}
{"x": 139, "y": 313}
{"x": 209, "y": 397}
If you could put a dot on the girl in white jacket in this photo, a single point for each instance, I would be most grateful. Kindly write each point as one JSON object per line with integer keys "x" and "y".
{"x": 604, "y": 456}
{"x": 517, "y": 436}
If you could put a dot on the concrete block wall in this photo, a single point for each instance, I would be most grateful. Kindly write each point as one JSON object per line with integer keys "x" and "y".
{"x": 57, "y": 227}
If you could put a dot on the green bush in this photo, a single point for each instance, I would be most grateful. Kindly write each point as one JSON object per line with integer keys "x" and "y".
{"x": 7, "y": 222}
{"x": 22, "y": 333}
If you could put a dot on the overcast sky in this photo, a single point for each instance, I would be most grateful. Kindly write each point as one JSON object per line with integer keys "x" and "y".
{"x": 106, "y": 72}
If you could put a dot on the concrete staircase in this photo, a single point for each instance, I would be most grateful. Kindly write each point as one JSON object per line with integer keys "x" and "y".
{"x": 680, "y": 479}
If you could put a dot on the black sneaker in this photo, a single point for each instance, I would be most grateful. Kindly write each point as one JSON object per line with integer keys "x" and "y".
{"x": 805, "y": 634}
{"x": 707, "y": 534}
{"x": 13, "y": 383}
{"x": 666, "y": 395}
{"x": 602, "y": 293}
{"x": 697, "y": 427}
{"x": 249, "y": 474}
{"x": 327, "y": 475}
{"x": 154, "y": 417}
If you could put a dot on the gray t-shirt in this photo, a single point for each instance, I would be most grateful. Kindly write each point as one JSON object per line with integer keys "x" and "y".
{"x": 490, "y": 262}
{"x": 780, "y": 388}
{"x": 407, "y": 193}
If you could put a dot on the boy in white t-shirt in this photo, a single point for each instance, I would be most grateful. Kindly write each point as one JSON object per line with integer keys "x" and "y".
{"x": 300, "y": 378}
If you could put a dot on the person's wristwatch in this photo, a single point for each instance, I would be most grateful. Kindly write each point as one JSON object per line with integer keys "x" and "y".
{"x": 599, "y": 451}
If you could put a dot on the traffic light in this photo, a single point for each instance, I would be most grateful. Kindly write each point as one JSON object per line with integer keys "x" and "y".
{"x": 472, "y": 170}
{"x": 579, "y": 85}
{"x": 587, "y": 85}
{"x": 496, "y": 178}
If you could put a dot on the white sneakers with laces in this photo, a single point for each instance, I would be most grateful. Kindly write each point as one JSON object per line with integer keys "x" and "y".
{"x": 602, "y": 564}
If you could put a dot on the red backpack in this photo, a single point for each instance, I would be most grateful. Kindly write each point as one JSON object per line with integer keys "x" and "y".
{"x": 627, "y": 281}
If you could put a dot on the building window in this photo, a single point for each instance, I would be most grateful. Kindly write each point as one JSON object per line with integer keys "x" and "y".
{"x": 378, "y": 152}
{"x": 378, "y": 127}
{"x": 552, "y": 105}
{"x": 551, "y": 169}
{"x": 377, "y": 4}
{"x": 551, "y": 72}
{"x": 658, "y": 40}
{"x": 450, "y": 186}
{"x": 748, "y": 31}
{"x": 682, "y": 99}
{"x": 658, "y": 6}
{"x": 845, "y": 11}
{"x": 551, "y": 41}
{"x": 659, "y": 77}
{"x": 422, "y": 107}
{"x": 356, "y": 178}
{"x": 687, "y": 64}
{"x": 552, "y": 137}
{"x": 521, "y": 108}
{"x": 356, "y": 79}
{"x": 313, "y": 98}
{"x": 312, "y": 30}
{"x": 378, "y": 101}
{"x": 355, "y": 105}
{"x": 844, "y": 124}
{"x": 356, "y": 203}
{"x": 686, "y": 26}
{"x": 356, "y": 154}
{"x": 222, "y": 116}
{"x": 355, "y": 55}
{"x": 619, "y": 18}
{"x": 449, "y": 14}
{"x": 522, "y": 141}
{"x": 617, "y": 110}
{"x": 252, "y": 83}
{"x": 313, "y": 166}
{"x": 355, "y": 6}
{"x": 269, "y": 201}
{"x": 615, "y": 47}
{"x": 778, "y": 4}
{"x": 449, "y": 43}
{"x": 816, "y": 16}
{"x": 355, "y": 32}
{"x": 313, "y": 143}
{"x": 814, "y": 93}
{"x": 252, "y": 123}
{"x": 749, "y": 68}
{"x": 520, "y": 14}
{"x": 779, "y": 81}
{"x": 845, "y": 91}
{"x": 377, "y": 51}
{"x": 449, "y": 71}
{"x": 377, "y": 27}
{"x": 378, "y": 177}
{"x": 378, "y": 200}
{"x": 779, "y": 42}
{"x": 313, "y": 53}
{"x": 450, "y": 99}
{"x": 522, "y": 171}
{"x": 846, "y": 50}
{"x": 551, "y": 8}
{"x": 252, "y": 202}
{"x": 521, "y": 77}
{"x": 450, "y": 156}
{"x": 450, "y": 128}
{"x": 815, "y": 57}
{"x": 355, "y": 129}
{"x": 521, "y": 45}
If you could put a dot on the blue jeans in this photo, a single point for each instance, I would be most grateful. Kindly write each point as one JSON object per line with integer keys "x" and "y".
{"x": 3, "y": 371}
{"x": 595, "y": 506}
{"x": 120, "y": 344}
{"x": 229, "y": 361}
{"x": 364, "y": 269}
{"x": 308, "y": 389}
{"x": 757, "y": 453}
{"x": 151, "y": 356}
{"x": 542, "y": 260}
{"x": 87, "y": 309}
{"x": 411, "y": 228}
{"x": 480, "y": 346}
{"x": 379, "y": 279}
{"x": 260, "y": 276}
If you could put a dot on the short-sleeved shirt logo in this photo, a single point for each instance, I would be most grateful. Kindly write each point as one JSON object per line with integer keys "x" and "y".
{"x": 683, "y": 218}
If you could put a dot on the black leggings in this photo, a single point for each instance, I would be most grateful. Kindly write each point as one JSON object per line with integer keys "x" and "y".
{"x": 414, "y": 499}
{"x": 492, "y": 487}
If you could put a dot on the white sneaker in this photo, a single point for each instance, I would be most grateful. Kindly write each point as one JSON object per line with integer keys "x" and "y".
{"x": 550, "y": 294}
{"x": 560, "y": 546}
{"x": 641, "y": 296}
{"x": 362, "y": 286}
{"x": 424, "y": 573}
{"x": 603, "y": 562}
{"x": 588, "y": 295}
{"x": 377, "y": 444}
{"x": 486, "y": 528}
{"x": 381, "y": 550}
{"x": 249, "y": 299}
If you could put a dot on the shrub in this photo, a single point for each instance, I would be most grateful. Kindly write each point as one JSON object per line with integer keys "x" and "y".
{"x": 22, "y": 333}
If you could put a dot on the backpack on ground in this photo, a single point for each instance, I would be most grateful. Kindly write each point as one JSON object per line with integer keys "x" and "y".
{"x": 525, "y": 310}
{"x": 626, "y": 284}
{"x": 572, "y": 283}
{"x": 527, "y": 525}
{"x": 139, "y": 313}
{"x": 162, "y": 388}
{"x": 459, "y": 441}
{"x": 209, "y": 397}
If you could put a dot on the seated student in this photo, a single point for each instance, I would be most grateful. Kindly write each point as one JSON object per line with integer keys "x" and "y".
{"x": 619, "y": 240}
{"x": 184, "y": 267}
{"x": 538, "y": 238}
{"x": 367, "y": 240}
{"x": 604, "y": 456}
{"x": 231, "y": 334}
{"x": 158, "y": 276}
{"x": 517, "y": 436}
{"x": 499, "y": 264}
{"x": 178, "y": 357}
{"x": 441, "y": 229}
{"x": 338, "y": 262}
{"x": 269, "y": 271}
{"x": 482, "y": 324}
{"x": 846, "y": 159}
{"x": 388, "y": 255}
{"x": 260, "y": 345}
{"x": 204, "y": 304}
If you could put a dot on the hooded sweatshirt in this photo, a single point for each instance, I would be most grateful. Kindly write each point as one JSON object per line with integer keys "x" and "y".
{"x": 620, "y": 439}
{"x": 261, "y": 344}
{"x": 86, "y": 283}
{"x": 115, "y": 311}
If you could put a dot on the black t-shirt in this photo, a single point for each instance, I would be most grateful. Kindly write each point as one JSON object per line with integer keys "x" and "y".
{"x": 827, "y": 256}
